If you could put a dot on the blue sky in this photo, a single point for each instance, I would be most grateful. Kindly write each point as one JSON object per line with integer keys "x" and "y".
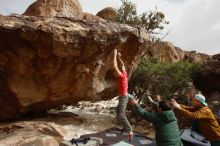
{"x": 194, "y": 24}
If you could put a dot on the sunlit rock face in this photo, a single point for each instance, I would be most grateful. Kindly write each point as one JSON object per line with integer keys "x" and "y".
{"x": 108, "y": 13}
{"x": 167, "y": 52}
{"x": 54, "y": 8}
{"x": 48, "y": 61}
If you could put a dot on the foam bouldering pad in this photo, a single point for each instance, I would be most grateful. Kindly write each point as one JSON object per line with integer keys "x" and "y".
{"x": 191, "y": 138}
{"x": 114, "y": 136}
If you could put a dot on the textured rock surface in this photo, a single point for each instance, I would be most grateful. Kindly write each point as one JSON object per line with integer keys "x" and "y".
{"x": 108, "y": 13}
{"x": 195, "y": 57}
{"x": 45, "y": 61}
{"x": 59, "y": 8}
{"x": 209, "y": 79}
{"x": 31, "y": 133}
{"x": 166, "y": 51}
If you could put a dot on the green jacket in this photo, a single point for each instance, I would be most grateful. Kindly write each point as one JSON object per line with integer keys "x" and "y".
{"x": 165, "y": 123}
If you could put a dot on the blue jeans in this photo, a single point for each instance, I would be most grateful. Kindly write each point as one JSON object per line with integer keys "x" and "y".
{"x": 121, "y": 115}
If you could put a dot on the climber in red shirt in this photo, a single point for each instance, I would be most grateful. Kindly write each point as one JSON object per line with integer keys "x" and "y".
{"x": 122, "y": 93}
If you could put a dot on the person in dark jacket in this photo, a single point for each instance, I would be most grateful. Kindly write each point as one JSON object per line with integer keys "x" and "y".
{"x": 164, "y": 121}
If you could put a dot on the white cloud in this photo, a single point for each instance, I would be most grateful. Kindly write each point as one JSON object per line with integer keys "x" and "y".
{"x": 14, "y": 6}
{"x": 194, "y": 24}
{"x": 197, "y": 27}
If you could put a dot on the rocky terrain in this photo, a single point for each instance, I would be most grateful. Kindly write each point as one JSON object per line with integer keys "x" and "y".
{"x": 66, "y": 123}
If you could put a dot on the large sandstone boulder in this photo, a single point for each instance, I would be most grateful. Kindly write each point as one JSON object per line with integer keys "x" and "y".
{"x": 52, "y": 8}
{"x": 194, "y": 57}
{"x": 108, "y": 13}
{"x": 166, "y": 51}
{"x": 48, "y": 61}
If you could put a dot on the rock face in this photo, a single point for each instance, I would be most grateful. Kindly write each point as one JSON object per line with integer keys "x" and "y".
{"x": 195, "y": 57}
{"x": 30, "y": 134}
{"x": 108, "y": 13}
{"x": 166, "y": 51}
{"x": 52, "y": 8}
{"x": 209, "y": 79}
{"x": 45, "y": 62}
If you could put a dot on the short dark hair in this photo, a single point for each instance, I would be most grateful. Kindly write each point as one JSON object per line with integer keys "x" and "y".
{"x": 165, "y": 105}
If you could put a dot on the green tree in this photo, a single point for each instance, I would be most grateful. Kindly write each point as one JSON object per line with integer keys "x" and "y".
{"x": 152, "y": 21}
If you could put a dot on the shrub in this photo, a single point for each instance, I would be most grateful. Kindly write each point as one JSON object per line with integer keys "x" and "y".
{"x": 166, "y": 79}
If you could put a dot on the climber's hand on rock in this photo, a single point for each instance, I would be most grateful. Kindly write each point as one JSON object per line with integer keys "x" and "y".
{"x": 115, "y": 51}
